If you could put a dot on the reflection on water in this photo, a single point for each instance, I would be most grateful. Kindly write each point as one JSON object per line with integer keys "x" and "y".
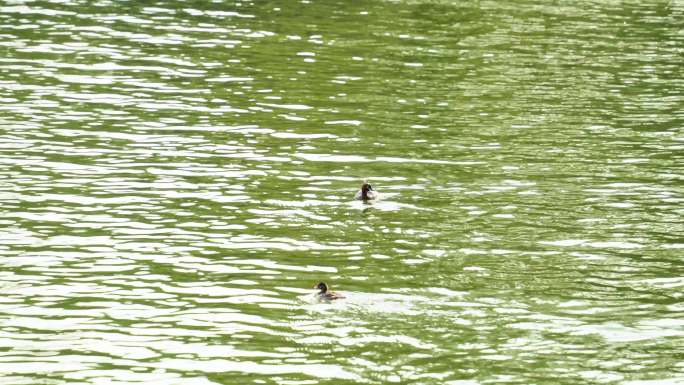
{"x": 174, "y": 177}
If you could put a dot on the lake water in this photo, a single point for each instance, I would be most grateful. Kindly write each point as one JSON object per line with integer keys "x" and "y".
{"x": 175, "y": 176}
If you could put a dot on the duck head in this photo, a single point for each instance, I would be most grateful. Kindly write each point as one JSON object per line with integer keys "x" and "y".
{"x": 322, "y": 287}
{"x": 365, "y": 188}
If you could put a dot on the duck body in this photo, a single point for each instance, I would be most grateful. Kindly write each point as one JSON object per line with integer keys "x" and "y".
{"x": 324, "y": 294}
{"x": 366, "y": 193}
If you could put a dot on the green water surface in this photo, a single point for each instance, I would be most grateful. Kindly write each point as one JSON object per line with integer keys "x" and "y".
{"x": 176, "y": 175}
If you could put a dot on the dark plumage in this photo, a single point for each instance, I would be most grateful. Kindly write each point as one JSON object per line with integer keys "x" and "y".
{"x": 326, "y": 295}
{"x": 366, "y": 193}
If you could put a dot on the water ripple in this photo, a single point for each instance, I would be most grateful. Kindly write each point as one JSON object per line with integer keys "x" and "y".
{"x": 175, "y": 178}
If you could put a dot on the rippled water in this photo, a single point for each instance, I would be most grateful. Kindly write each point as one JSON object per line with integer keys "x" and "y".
{"x": 176, "y": 175}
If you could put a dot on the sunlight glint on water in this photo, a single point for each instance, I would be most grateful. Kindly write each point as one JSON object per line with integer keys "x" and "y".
{"x": 174, "y": 178}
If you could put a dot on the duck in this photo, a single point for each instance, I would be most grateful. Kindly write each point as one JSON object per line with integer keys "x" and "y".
{"x": 326, "y": 295}
{"x": 366, "y": 193}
